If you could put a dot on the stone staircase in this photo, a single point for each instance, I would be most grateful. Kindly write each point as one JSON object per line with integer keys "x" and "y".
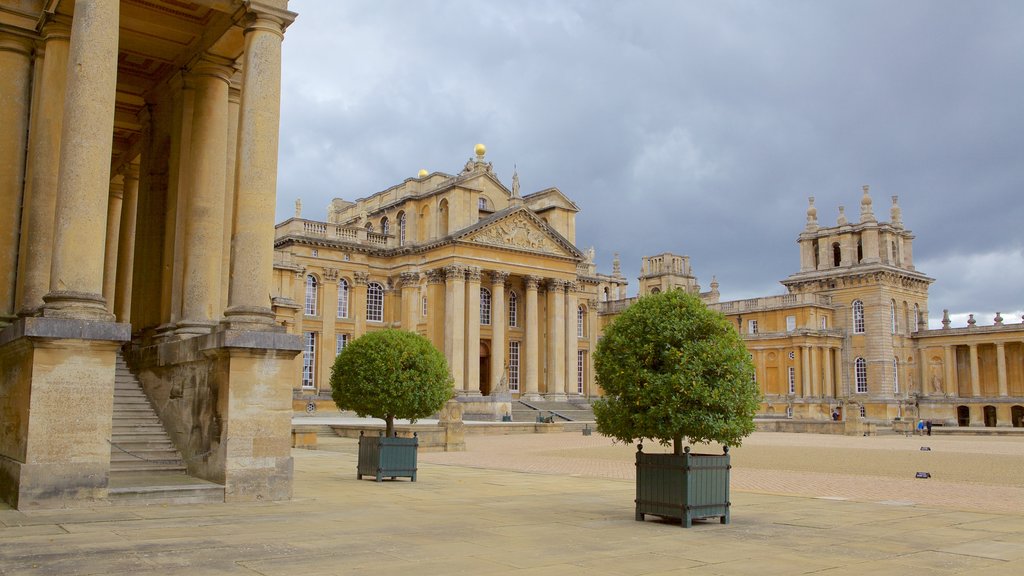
{"x": 526, "y": 411}
{"x": 145, "y": 467}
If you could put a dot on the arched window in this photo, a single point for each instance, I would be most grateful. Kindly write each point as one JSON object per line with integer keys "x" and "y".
{"x": 311, "y": 295}
{"x": 374, "y": 302}
{"x": 342, "y": 298}
{"x": 423, "y": 228}
{"x": 369, "y": 226}
{"x": 892, "y": 316}
{"x": 837, "y": 255}
{"x": 895, "y": 375}
{"x": 906, "y": 318}
{"x": 860, "y": 251}
{"x": 604, "y": 294}
{"x": 917, "y": 317}
{"x": 442, "y": 218}
{"x": 401, "y": 228}
{"x": 485, "y": 307}
{"x": 385, "y": 226}
{"x": 424, "y": 307}
{"x": 895, "y": 255}
{"x": 513, "y": 310}
{"x": 861, "y": 373}
{"x": 580, "y": 320}
{"x": 481, "y": 203}
{"x": 858, "y": 317}
{"x": 655, "y": 290}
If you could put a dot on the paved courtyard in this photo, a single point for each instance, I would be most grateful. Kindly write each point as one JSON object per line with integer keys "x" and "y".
{"x": 562, "y": 504}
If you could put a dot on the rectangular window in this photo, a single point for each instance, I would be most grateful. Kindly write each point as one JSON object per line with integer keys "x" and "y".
{"x": 513, "y": 366}
{"x": 309, "y": 361}
{"x": 824, "y": 322}
{"x": 581, "y": 364}
{"x": 340, "y": 341}
{"x": 895, "y": 376}
{"x": 792, "y": 380}
{"x": 790, "y": 323}
{"x": 424, "y": 306}
{"x": 579, "y": 322}
{"x": 752, "y": 326}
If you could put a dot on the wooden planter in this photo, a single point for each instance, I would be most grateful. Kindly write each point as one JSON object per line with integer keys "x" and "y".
{"x": 382, "y": 457}
{"x": 686, "y": 486}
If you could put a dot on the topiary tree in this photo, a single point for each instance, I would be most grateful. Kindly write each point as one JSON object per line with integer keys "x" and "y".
{"x": 672, "y": 369}
{"x": 391, "y": 374}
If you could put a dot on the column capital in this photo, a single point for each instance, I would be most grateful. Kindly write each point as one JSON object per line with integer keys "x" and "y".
{"x": 300, "y": 274}
{"x": 498, "y": 278}
{"x": 214, "y": 67}
{"x": 408, "y": 279}
{"x": 554, "y": 284}
{"x": 571, "y": 286}
{"x": 454, "y": 272}
{"x": 262, "y": 15}
{"x": 532, "y": 282}
{"x": 117, "y": 187}
{"x": 435, "y": 276}
{"x": 473, "y": 273}
{"x": 361, "y": 278}
{"x": 331, "y": 274}
{"x": 18, "y": 44}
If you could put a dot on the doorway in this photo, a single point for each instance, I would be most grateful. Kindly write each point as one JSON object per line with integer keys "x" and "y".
{"x": 990, "y": 416}
{"x": 1017, "y": 416}
{"x": 485, "y": 368}
{"x": 963, "y": 416}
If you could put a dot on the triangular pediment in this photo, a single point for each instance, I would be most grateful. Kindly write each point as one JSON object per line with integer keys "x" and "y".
{"x": 519, "y": 229}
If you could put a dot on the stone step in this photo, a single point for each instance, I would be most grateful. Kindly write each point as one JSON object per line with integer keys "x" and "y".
{"x": 124, "y": 423}
{"x": 137, "y": 445}
{"x": 140, "y": 466}
{"x": 147, "y": 488}
{"x": 154, "y": 430}
{"x": 125, "y": 438}
{"x": 166, "y": 456}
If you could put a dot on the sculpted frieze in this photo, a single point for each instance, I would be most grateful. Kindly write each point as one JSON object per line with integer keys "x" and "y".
{"x": 517, "y": 231}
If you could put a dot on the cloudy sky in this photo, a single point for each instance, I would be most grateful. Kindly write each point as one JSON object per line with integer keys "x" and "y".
{"x": 698, "y": 128}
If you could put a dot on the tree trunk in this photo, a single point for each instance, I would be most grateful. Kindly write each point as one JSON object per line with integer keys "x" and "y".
{"x": 677, "y": 445}
{"x": 389, "y": 429}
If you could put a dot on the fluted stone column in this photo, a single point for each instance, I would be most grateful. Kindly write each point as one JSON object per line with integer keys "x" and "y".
{"x": 252, "y": 240}
{"x": 975, "y": 372}
{"x": 815, "y": 374}
{"x": 556, "y": 337}
{"x": 435, "y": 311}
{"x": 76, "y": 272}
{"x": 126, "y": 245}
{"x": 43, "y": 165}
{"x": 952, "y": 389}
{"x": 531, "y": 363}
{"x": 472, "y": 357}
{"x": 498, "y": 327}
{"x": 571, "y": 340}
{"x": 113, "y": 233}
{"x": 204, "y": 225}
{"x": 357, "y": 301}
{"x": 805, "y": 372}
{"x": 1001, "y": 368}
{"x": 234, "y": 99}
{"x": 410, "y": 299}
{"x": 455, "y": 323}
{"x": 15, "y": 102}
{"x": 827, "y": 386}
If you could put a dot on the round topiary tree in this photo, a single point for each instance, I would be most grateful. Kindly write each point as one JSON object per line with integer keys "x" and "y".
{"x": 391, "y": 374}
{"x": 672, "y": 369}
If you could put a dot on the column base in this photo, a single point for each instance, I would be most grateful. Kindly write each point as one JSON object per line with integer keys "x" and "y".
{"x": 249, "y": 318}
{"x": 557, "y": 397}
{"x": 468, "y": 394}
{"x": 76, "y": 305}
{"x": 531, "y": 397}
{"x": 189, "y": 328}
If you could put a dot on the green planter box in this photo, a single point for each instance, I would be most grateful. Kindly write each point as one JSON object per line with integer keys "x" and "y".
{"x": 687, "y": 486}
{"x": 382, "y": 457}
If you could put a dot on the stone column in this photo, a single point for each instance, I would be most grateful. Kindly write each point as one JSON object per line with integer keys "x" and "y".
{"x": 113, "y": 233}
{"x": 952, "y": 389}
{"x": 76, "y": 271}
{"x": 827, "y": 388}
{"x": 204, "y": 225}
{"x": 531, "y": 363}
{"x": 435, "y": 311}
{"x": 15, "y": 103}
{"x": 234, "y": 98}
{"x": 498, "y": 327}
{"x": 43, "y": 164}
{"x": 357, "y": 302}
{"x": 455, "y": 323}
{"x": 571, "y": 340}
{"x": 1001, "y": 368}
{"x": 252, "y": 239}
{"x": 328, "y": 314}
{"x": 805, "y": 371}
{"x": 975, "y": 374}
{"x": 556, "y": 338}
{"x": 472, "y": 357}
{"x": 126, "y": 245}
{"x": 410, "y": 297}
{"x": 815, "y": 374}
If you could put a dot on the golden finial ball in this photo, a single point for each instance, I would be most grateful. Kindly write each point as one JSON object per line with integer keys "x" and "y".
{"x": 480, "y": 150}
{"x": 423, "y": 173}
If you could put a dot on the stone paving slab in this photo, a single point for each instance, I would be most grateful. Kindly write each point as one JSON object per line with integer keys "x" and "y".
{"x": 472, "y": 519}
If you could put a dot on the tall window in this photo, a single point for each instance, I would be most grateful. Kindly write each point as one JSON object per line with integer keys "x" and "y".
{"x": 513, "y": 366}
{"x": 895, "y": 375}
{"x": 374, "y": 302}
{"x": 385, "y": 226}
{"x": 752, "y": 326}
{"x": 917, "y": 317}
{"x": 311, "y": 290}
{"x": 824, "y": 322}
{"x": 513, "y": 310}
{"x": 340, "y": 341}
{"x": 424, "y": 306}
{"x": 309, "y": 360}
{"x": 481, "y": 203}
{"x": 892, "y": 315}
{"x": 485, "y": 307}
{"x": 861, "y": 374}
{"x": 369, "y": 226}
{"x": 401, "y": 228}
{"x": 792, "y": 380}
{"x": 790, "y": 323}
{"x": 581, "y": 365}
{"x": 342, "y": 298}
{"x": 580, "y": 319}
{"x": 858, "y": 317}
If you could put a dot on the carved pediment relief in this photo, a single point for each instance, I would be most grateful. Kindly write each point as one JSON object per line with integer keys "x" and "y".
{"x": 518, "y": 231}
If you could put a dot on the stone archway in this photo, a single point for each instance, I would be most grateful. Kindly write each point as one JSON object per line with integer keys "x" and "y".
{"x": 485, "y": 367}
{"x": 990, "y": 416}
{"x": 963, "y": 416}
{"x": 1017, "y": 416}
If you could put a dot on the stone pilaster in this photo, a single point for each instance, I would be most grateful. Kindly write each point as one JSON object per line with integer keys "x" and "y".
{"x": 472, "y": 358}
{"x": 827, "y": 387}
{"x": 76, "y": 271}
{"x": 126, "y": 245}
{"x": 435, "y": 311}
{"x": 571, "y": 340}
{"x": 1001, "y": 368}
{"x": 556, "y": 338}
{"x": 455, "y": 323}
{"x": 252, "y": 239}
{"x": 531, "y": 362}
{"x": 975, "y": 372}
{"x": 410, "y": 282}
{"x": 234, "y": 99}
{"x": 15, "y": 103}
{"x": 204, "y": 226}
{"x": 815, "y": 374}
{"x": 42, "y": 170}
{"x": 952, "y": 389}
{"x": 113, "y": 233}
{"x": 498, "y": 328}
{"x": 357, "y": 301}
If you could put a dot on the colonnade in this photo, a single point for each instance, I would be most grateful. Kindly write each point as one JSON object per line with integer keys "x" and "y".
{"x": 951, "y": 375}
{"x": 816, "y": 371}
